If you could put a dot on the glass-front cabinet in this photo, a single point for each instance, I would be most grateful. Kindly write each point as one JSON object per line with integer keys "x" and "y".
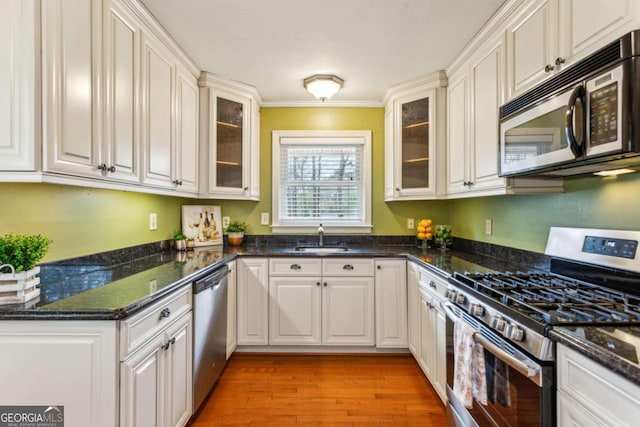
{"x": 413, "y": 140}
{"x": 229, "y": 139}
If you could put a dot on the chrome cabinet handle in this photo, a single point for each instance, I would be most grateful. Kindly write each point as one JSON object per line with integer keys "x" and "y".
{"x": 102, "y": 167}
{"x": 169, "y": 343}
{"x": 347, "y": 267}
{"x": 166, "y": 312}
{"x": 432, "y": 284}
{"x": 295, "y": 267}
{"x": 549, "y": 68}
{"x": 560, "y": 60}
{"x": 177, "y": 182}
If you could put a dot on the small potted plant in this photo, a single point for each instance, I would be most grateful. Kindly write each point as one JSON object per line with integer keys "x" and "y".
{"x": 19, "y": 254}
{"x": 181, "y": 240}
{"x": 235, "y": 232}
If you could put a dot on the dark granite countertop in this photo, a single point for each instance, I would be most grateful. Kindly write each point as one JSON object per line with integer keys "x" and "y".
{"x": 102, "y": 291}
{"x": 613, "y": 347}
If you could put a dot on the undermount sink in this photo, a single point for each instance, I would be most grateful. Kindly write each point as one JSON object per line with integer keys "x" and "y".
{"x": 322, "y": 249}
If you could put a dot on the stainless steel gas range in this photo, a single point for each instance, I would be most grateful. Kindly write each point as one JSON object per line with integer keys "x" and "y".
{"x": 594, "y": 280}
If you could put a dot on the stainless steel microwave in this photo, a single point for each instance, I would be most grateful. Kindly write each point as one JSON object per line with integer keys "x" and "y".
{"x": 585, "y": 119}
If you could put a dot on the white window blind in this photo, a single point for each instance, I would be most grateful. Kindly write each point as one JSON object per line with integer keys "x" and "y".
{"x": 321, "y": 183}
{"x": 321, "y": 177}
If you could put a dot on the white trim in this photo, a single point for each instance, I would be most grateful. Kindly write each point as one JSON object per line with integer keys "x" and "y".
{"x": 356, "y": 136}
{"x": 326, "y": 104}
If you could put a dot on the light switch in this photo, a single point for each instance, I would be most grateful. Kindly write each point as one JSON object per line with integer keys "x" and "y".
{"x": 153, "y": 221}
{"x": 264, "y": 218}
{"x": 488, "y": 226}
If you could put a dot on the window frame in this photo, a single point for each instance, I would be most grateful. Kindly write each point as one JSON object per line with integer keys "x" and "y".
{"x": 280, "y": 137}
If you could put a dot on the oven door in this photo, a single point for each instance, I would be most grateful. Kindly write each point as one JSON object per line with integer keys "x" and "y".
{"x": 520, "y": 390}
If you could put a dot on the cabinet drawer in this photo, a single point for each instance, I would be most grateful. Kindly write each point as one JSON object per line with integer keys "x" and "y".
{"x": 136, "y": 330}
{"x": 294, "y": 266}
{"x": 432, "y": 283}
{"x": 347, "y": 267}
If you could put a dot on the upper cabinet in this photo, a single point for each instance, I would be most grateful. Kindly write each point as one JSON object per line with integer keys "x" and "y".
{"x": 414, "y": 139}
{"x": 19, "y": 144}
{"x": 230, "y": 139}
{"x": 546, "y": 36}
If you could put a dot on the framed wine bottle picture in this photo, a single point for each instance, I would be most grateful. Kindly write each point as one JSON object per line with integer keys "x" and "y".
{"x": 203, "y": 224}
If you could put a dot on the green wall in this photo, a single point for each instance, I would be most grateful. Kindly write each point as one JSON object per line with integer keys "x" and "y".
{"x": 85, "y": 220}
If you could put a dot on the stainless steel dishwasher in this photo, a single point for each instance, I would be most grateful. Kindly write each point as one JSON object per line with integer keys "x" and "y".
{"x": 210, "y": 332}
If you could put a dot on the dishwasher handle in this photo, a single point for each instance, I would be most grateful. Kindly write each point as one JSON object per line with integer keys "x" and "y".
{"x": 212, "y": 279}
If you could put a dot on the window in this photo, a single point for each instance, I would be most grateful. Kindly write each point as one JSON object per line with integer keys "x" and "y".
{"x": 321, "y": 177}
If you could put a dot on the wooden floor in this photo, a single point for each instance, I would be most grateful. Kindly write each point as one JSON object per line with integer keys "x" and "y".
{"x": 321, "y": 390}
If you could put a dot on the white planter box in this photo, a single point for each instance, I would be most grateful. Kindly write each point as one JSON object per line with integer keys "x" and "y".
{"x": 19, "y": 287}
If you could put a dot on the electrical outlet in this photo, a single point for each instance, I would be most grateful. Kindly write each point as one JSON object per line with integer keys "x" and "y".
{"x": 488, "y": 226}
{"x": 264, "y": 218}
{"x": 153, "y": 221}
{"x": 225, "y": 221}
{"x": 411, "y": 223}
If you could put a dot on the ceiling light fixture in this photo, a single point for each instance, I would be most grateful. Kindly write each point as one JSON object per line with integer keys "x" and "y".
{"x": 323, "y": 86}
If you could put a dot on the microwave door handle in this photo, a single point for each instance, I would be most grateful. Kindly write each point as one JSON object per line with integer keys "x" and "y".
{"x": 576, "y": 146}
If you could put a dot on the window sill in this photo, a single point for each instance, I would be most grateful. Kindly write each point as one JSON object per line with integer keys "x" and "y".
{"x": 328, "y": 229}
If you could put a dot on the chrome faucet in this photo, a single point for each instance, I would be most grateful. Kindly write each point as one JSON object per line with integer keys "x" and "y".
{"x": 320, "y": 236}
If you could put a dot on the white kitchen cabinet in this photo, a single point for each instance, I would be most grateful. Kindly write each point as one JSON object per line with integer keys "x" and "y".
{"x": 186, "y": 153}
{"x": 253, "y": 301}
{"x": 546, "y": 36}
{"x": 19, "y": 142}
{"x": 317, "y": 301}
{"x": 232, "y": 310}
{"x": 432, "y": 354}
{"x": 591, "y": 395}
{"x": 71, "y": 64}
{"x": 156, "y": 381}
{"x": 391, "y": 303}
{"x": 68, "y": 363}
{"x": 475, "y": 93}
{"x": 413, "y": 309}
{"x": 121, "y": 41}
{"x": 295, "y": 314}
{"x": 414, "y": 139}
{"x": 230, "y": 139}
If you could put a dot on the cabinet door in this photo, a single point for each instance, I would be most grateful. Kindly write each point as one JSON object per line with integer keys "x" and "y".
{"x": 179, "y": 373}
{"x": 487, "y": 74}
{"x": 427, "y": 337}
{"x": 157, "y": 102}
{"x": 587, "y": 25}
{"x": 71, "y": 60}
{"x": 232, "y": 319}
{"x": 142, "y": 387}
{"x": 414, "y": 146}
{"x": 186, "y": 154}
{"x": 458, "y": 134}
{"x": 413, "y": 309}
{"x": 439, "y": 380}
{"x": 18, "y": 49}
{"x": 391, "y": 303}
{"x": 253, "y": 301}
{"x": 121, "y": 41}
{"x": 348, "y": 311}
{"x": 295, "y": 310}
{"x": 532, "y": 45}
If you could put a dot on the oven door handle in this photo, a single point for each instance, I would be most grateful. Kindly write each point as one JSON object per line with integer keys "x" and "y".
{"x": 517, "y": 364}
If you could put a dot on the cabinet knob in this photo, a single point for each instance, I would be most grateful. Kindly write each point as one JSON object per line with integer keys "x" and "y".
{"x": 166, "y": 312}
{"x": 177, "y": 182}
{"x": 246, "y": 189}
{"x": 348, "y": 267}
{"x": 111, "y": 168}
{"x": 325, "y": 284}
{"x": 432, "y": 284}
{"x": 102, "y": 167}
{"x": 295, "y": 267}
{"x": 317, "y": 283}
{"x": 560, "y": 60}
{"x": 397, "y": 190}
{"x": 549, "y": 68}
{"x": 379, "y": 267}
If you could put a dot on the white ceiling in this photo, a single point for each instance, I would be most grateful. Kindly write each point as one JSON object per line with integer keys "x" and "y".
{"x": 274, "y": 44}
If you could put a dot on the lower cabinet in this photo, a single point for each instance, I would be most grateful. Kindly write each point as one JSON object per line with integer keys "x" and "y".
{"x": 427, "y": 325}
{"x": 253, "y": 301}
{"x": 591, "y": 395}
{"x": 232, "y": 318}
{"x": 391, "y": 303}
{"x": 156, "y": 381}
{"x": 321, "y": 302}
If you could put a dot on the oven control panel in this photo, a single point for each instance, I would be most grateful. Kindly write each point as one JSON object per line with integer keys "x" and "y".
{"x": 621, "y": 248}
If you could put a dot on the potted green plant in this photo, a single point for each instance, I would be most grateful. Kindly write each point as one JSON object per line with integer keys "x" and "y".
{"x": 19, "y": 278}
{"x": 235, "y": 232}
{"x": 180, "y": 239}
